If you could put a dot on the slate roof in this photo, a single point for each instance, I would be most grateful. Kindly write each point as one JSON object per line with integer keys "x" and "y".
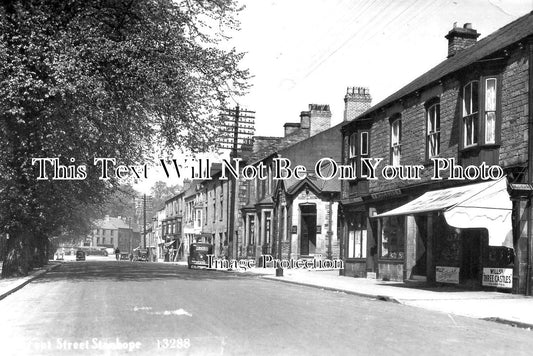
{"x": 111, "y": 224}
{"x": 497, "y": 41}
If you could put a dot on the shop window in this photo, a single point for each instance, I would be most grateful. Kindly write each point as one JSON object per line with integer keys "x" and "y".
{"x": 395, "y": 143}
{"x": 392, "y": 237}
{"x": 357, "y": 238}
{"x": 433, "y": 130}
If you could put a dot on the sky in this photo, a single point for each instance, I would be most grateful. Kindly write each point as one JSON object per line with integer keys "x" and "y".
{"x": 303, "y": 52}
{"x": 309, "y": 51}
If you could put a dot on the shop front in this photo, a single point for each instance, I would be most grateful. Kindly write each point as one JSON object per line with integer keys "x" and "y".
{"x": 461, "y": 235}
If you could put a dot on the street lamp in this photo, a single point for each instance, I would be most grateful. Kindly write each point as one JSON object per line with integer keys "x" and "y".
{"x": 279, "y": 270}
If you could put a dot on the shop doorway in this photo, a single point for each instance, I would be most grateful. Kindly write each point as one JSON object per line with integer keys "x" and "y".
{"x": 420, "y": 267}
{"x": 308, "y": 229}
{"x": 472, "y": 241}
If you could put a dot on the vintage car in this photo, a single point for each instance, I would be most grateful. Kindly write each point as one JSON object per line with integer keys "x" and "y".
{"x": 140, "y": 255}
{"x": 80, "y": 255}
{"x": 198, "y": 254}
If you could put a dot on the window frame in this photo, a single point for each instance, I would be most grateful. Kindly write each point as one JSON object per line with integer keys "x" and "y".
{"x": 482, "y": 80}
{"x": 352, "y": 150}
{"x": 493, "y": 110}
{"x": 434, "y": 120}
{"x": 356, "y": 151}
{"x": 395, "y": 145}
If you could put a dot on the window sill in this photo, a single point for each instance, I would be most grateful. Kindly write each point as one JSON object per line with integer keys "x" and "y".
{"x": 428, "y": 162}
{"x": 390, "y": 260}
{"x": 479, "y": 146}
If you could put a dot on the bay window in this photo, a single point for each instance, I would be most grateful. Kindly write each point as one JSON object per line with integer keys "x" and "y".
{"x": 352, "y": 150}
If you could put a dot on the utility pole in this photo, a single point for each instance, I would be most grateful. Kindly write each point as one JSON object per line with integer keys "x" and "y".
{"x": 144, "y": 220}
{"x": 238, "y": 129}
{"x": 232, "y": 192}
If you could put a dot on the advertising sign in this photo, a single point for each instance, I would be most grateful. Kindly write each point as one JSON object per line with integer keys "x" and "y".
{"x": 498, "y": 277}
{"x": 447, "y": 274}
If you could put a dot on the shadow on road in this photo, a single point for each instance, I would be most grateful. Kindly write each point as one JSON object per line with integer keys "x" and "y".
{"x": 130, "y": 271}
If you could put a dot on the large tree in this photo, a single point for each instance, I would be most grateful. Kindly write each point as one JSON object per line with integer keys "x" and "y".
{"x": 81, "y": 79}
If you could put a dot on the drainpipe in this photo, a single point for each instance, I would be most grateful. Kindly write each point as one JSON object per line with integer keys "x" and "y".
{"x": 330, "y": 222}
{"x": 530, "y": 169}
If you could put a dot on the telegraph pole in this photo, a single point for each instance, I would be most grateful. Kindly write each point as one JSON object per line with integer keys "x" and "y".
{"x": 238, "y": 127}
{"x": 144, "y": 221}
{"x": 232, "y": 197}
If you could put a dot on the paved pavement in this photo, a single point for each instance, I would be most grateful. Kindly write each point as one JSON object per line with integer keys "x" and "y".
{"x": 507, "y": 308}
{"x": 11, "y": 285}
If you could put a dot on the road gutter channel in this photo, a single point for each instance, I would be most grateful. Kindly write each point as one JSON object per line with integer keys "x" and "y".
{"x": 30, "y": 278}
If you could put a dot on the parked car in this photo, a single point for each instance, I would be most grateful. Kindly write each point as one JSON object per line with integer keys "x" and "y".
{"x": 198, "y": 254}
{"x": 140, "y": 255}
{"x": 80, "y": 255}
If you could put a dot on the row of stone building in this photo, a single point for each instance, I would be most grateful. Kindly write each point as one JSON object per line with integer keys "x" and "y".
{"x": 441, "y": 185}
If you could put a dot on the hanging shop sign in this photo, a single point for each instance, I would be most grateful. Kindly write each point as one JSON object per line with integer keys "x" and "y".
{"x": 498, "y": 277}
{"x": 447, "y": 274}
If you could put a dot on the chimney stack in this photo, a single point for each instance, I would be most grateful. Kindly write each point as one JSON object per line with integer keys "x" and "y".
{"x": 356, "y": 101}
{"x": 460, "y": 38}
{"x": 319, "y": 118}
{"x": 291, "y": 127}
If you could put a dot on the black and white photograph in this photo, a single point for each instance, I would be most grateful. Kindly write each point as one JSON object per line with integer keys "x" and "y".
{"x": 282, "y": 177}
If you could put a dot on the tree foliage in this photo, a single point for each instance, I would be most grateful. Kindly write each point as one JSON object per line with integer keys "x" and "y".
{"x": 81, "y": 79}
{"x": 161, "y": 192}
